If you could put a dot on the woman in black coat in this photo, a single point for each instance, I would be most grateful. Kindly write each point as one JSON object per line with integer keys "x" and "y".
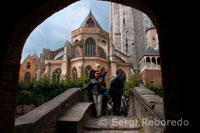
{"x": 97, "y": 89}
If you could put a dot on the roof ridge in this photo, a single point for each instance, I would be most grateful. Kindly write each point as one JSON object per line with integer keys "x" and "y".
{"x": 90, "y": 15}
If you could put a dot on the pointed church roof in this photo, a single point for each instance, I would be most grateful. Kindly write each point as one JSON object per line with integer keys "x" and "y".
{"x": 90, "y": 21}
{"x": 150, "y": 25}
{"x": 150, "y": 51}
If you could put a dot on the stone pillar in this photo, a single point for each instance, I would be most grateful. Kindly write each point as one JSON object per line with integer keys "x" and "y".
{"x": 64, "y": 65}
{"x": 113, "y": 70}
{"x": 64, "y": 69}
{"x": 39, "y": 70}
{"x": 48, "y": 70}
{"x": 38, "y": 74}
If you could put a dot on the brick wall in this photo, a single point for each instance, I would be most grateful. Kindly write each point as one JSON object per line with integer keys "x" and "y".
{"x": 33, "y": 67}
{"x": 154, "y": 75}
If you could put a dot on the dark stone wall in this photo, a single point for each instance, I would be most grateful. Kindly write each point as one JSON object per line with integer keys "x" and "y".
{"x": 43, "y": 119}
{"x": 20, "y": 18}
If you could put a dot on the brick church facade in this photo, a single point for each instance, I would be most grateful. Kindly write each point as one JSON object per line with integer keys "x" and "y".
{"x": 90, "y": 49}
{"x": 94, "y": 48}
{"x": 28, "y": 69}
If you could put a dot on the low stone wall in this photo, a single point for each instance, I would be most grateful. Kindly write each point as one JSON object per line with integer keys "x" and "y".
{"x": 43, "y": 119}
{"x": 145, "y": 105}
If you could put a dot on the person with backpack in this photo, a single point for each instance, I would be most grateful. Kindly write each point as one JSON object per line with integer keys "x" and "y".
{"x": 116, "y": 91}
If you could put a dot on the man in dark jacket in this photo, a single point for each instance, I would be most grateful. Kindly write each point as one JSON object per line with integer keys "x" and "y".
{"x": 116, "y": 91}
{"x": 105, "y": 94}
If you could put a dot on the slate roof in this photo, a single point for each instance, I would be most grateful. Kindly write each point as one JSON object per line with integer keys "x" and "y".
{"x": 84, "y": 23}
{"x": 150, "y": 51}
{"x": 150, "y": 25}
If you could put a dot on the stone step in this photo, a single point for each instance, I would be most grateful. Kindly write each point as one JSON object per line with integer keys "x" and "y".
{"x": 112, "y": 123}
{"x": 113, "y": 131}
{"x": 72, "y": 120}
{"x": 76, "y": 112}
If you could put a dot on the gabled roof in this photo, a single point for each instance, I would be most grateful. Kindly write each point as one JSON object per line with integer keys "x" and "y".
{"x": 150, "y": 25}
{"x": 150, "y": 51}
{"x": 90, "y": 17}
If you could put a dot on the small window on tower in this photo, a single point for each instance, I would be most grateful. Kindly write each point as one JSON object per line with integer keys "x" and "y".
{"x": 28, "y": 65}
{"x": 90, "y": 22}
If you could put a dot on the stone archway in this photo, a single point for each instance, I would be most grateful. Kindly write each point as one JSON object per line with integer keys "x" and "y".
{"x": 23, "y": 17}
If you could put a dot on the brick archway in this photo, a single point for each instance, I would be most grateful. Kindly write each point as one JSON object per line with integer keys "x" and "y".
{"x": 23, "y": 17}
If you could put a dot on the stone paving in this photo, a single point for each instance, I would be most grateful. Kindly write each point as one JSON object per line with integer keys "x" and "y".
{"x": 112, "y": 124}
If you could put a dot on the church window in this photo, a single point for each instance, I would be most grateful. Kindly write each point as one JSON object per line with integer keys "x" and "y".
{"x": 74, "y": 71}
{"x": 90, "y": 47}
{"x": 103, "y": 41}
{"x": 90, "y": 22}
{"x": 102, "y": 53}
{"x": 56, "y": 75}
{"x": 87, "y": 70}
{"x": 28, "y": 65}
{"x": 27, "y": 77}
{"x": 102, "y": 69}
{"x": 75, "y": 41}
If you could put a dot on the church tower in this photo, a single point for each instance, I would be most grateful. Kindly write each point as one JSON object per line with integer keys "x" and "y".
{"x": 127, "y": 31}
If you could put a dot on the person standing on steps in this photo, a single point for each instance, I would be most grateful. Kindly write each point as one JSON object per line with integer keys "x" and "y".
{"x": 105, "y": 94}
{"x": 116, "y": 91}
{"x": 97, "y": 89}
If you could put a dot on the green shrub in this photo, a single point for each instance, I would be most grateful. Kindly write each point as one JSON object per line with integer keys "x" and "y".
{"x": 133, "y": 82}
{"x": 154, "y": 87}
{"x": 39, "y": 92}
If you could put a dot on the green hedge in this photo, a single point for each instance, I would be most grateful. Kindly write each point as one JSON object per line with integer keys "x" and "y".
{"x": 133, "y": 82}
{"x": 39, "y": 92}
{"x": 154, "y": 87}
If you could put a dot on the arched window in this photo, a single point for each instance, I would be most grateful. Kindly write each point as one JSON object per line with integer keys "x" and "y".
{"x": 56, "y": 75}
{"x": 102, "y": 52}
{"x": 74, "y": 71}
{"x": 103, "y": 69}
{"x": 103, "y": 41}
{"x": 27, "y": 77}
{"x": 28, "y": 65}
{"x": 75, "y": 41}
{"x": 154, "y": 60}
{"x": 158, "y": 60}
{"x": 87, "y": 70}
{"x": 90, "y": 47}
{"x": 148, "y": 60}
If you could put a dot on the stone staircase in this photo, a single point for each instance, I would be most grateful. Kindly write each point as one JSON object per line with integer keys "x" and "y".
{"x": 79, "y": 119}
{"x": 72, "y": 120}
{"x": 112, "y": 124}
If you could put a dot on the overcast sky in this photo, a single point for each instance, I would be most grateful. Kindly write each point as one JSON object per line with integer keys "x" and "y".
{"x": 55, "y": 30}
